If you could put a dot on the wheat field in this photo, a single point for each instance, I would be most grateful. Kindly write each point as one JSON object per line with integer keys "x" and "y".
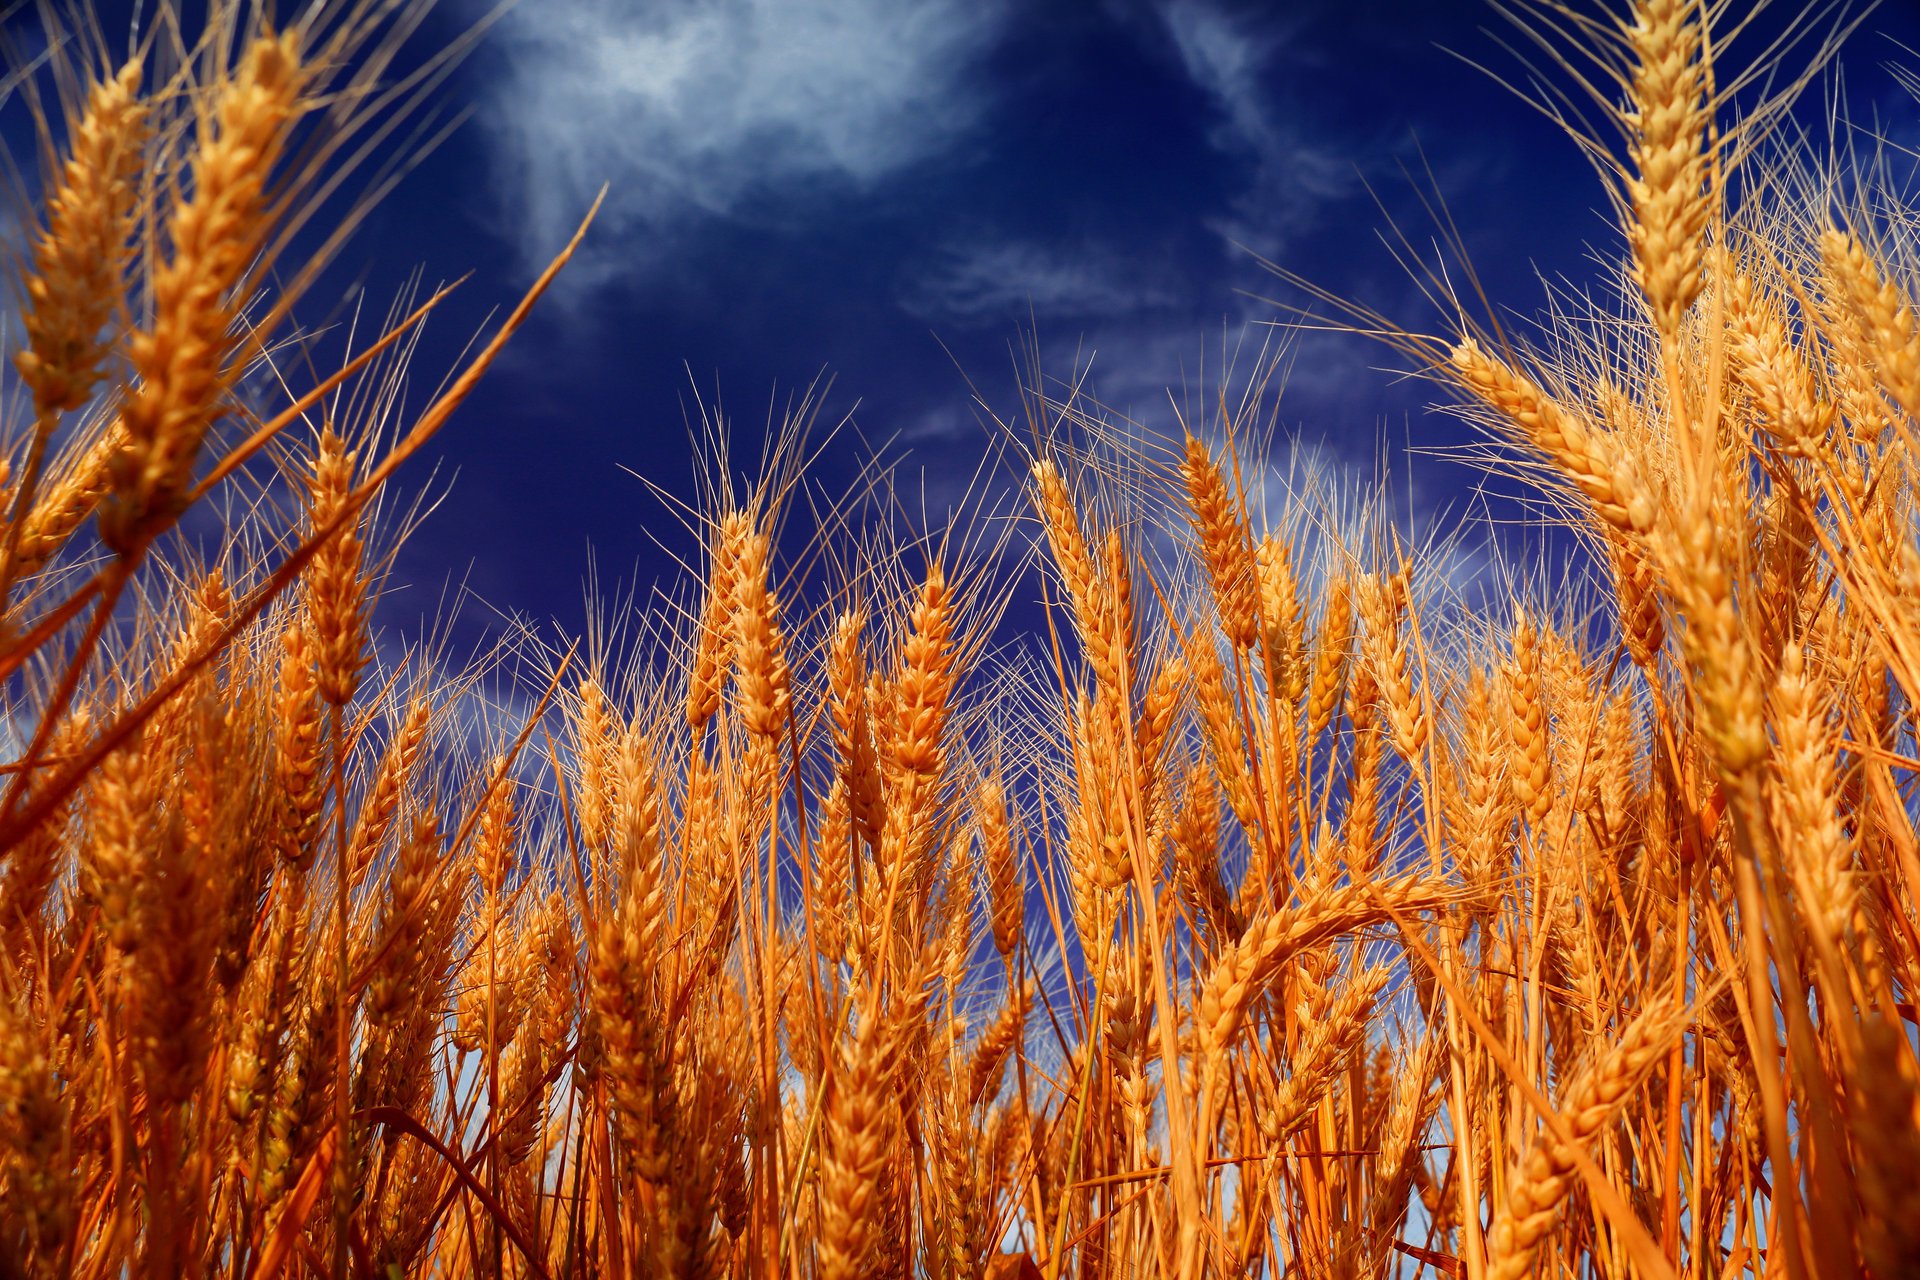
{"x": 1274, "y": 906}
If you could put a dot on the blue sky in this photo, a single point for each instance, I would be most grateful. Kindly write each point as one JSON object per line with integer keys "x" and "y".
{"x": 887, "y": 191}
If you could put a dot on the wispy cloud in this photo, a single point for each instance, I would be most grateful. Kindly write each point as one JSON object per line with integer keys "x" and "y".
{"x": 731, "y": 109}
{"x": 1233, "y": 58}
{"x": 995, "y": 282}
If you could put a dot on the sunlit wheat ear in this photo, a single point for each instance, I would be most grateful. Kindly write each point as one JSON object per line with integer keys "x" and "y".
{"x": 990, "y": 1051}
{"x": 1416, "y": 1098}
{"x": 859, "y": 767}
{"x": 298, "y": 724}
{"x": 1244, "y": 969}
{"x": 1334, "y": 1031}
{"x": 63, "y": 505}
{"x": 1074, "y": 561}
{"x": 1383, "y": 607}
{"x": 76, "y": 282}
{"x": 1884, "y": 313}
{"x": 1775, "y": 370}
{"x": 1595, "y": 464}
{"x": 1669, "y": 117}
{"x": 1531, "y": 765}
{"x": 858, "y": 1143}
{"x": 1332, "y": 646}
{"x": 380, "y": 805}
{"x": 713, "y": 643}
{"x": 592, "y": 799}
{"x": 116, "y": 862}
{"x": 1223, "y": 728}
{"x": 1006, "y": 892}
{"x": 1486, "y": 797}
{"x": 1810, "y": 832}
{"x": 927, "y": 675}
{"x": 1282, "y": 621}
{"x": 1643, "y": 627}
{"x": 1726, "y": 681}
{"x": 336, "y": 595}
{"x": 762, "y": 677}
{"x": 1221, "y": 532}
{"x": 184, "y": 359}
{"x": 1588, "y": 1105}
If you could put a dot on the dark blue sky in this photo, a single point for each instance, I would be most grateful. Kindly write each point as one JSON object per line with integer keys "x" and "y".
{"x": 886, "y": 190}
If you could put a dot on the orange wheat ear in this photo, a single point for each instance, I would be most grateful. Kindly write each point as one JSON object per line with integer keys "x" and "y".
{"x": 184, "y": 360}
{"x": 77, "y": 280}
{"x": 75, "y": 286}
{"x": 1669, "y": 118}
{"x": 336, "y": 603}
{"x": 763, "y": 679}
{"x": 1224, "y": 546}
{"x": 926, "y": 677}
{"x": 713, "y": 646}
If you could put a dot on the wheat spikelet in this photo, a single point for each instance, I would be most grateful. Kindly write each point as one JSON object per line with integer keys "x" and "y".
{"x": 1225, "y": 735}
{"x": 1643, "y": 628}
{"x": 1588, "y": 1104}
{"x": 593, "y": 755}
{"x": 1331, "y": 650}
{"x": 1333, "y": 1032}
{"x": 37, "y": 1191}
{"x": 1671, "y": 191}
{"x": 1807, "y": 804}
{"x": 832, "y": 887}
{"x": 1486, "y": 804}
{"x": 926, "y": 678}
{"x": 297, "y": 728}
{"x": 1006, "y": 896}
{"x": 1282, "y": 620}
{"x": 1360, "y": 832}
{"x": 852, "y": 733}
{"x": 759, "y": 646}
{"x": 336, "y": 606}
{"x": 389, "y": 787}
{"x": 1224, "y": 546}
{"x": 857, "y": 1146}
{"x": 62, "y": 507}
{"x": 1892, "y": 342}
{"x": 713, "y": 645}
{"x": 183, "y": 359}
{"x": 1383, "y": 607}
{"x": 115, "y": 860}
{"x": 989, "y": 1055}
{"x": 636, "y": 1060}
{"x": 1725, "y": 685}
{"x": 1073, "y": 558}
{"x": 1532, "y": 770}
{"x": 1602, "y": 471}
{"x": 1773, "y": 370}
{"x": 78, "y": 275}
{"x": 1270, "y": 941}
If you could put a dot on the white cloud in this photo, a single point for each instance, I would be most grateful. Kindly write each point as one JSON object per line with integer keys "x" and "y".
{"x": 1233, "y": 59}
{"x": 990, "y": 282}
{"x": 1225, "y": 56}
{"x": 720, "y": 108}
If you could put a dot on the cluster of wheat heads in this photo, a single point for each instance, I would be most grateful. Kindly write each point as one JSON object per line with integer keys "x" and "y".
{"x": 197, "y": 789}
{"x": 1284, "y": 914}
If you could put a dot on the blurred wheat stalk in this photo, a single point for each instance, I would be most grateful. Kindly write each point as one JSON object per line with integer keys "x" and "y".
{"x": 1291, "y": 916}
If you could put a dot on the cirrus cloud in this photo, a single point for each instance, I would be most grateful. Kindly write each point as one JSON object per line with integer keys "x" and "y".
{"x": 728, "y": 109}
